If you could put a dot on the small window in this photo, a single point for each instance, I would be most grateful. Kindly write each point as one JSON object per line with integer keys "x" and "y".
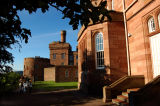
{"x": 77, "y": 57}
{"x": 62, "y": 63}
{"x": 24, "y": 66}
{"x": 63, "y": 55}
{"x": 151, "y": 25}
{"x": 66, "y": 73}
{"x": 76, "y": 73}
{"x": 159, "y": 20}
{"x": 54, "y": 56}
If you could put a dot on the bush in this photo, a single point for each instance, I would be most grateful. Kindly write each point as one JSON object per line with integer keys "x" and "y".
{"x": 8, "y": 82}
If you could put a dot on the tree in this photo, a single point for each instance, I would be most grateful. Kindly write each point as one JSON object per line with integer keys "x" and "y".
{"x": 11, "y": 32}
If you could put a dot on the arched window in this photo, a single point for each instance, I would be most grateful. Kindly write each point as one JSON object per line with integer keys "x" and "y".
{"x": 151, "y": 25}
{"x": 159, "y": 20}
{"x": 99, "y": 51}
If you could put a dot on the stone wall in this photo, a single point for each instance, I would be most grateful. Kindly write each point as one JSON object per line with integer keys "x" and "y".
{"x": 58, "y": 74}
{"x": 49, "y": 74}
{"x": 139, "y": 44}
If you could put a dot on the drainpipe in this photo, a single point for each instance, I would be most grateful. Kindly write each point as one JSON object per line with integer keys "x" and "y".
{"x": 126, "y": 35}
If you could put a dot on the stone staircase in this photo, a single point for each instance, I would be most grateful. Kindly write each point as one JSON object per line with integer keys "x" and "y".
{"x": 123, "y": 99}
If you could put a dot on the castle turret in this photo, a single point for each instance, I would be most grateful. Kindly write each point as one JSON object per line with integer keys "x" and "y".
{"x": 63, "y": 36}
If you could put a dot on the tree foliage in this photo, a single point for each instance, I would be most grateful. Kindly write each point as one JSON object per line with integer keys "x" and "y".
{"x": 11, "y": 32}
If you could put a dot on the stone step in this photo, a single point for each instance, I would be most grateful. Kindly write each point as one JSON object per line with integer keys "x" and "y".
{"x": 117, "y": 101}
{"x": 125, "y": 94}
{"x": 132, "y": 89}
{"x": 122, "y": 97}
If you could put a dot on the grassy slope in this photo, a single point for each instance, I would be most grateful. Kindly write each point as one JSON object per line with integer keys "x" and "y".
{"x": 50, "y": 85}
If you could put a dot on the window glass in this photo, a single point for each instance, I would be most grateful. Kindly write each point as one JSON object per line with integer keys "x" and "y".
{"x": 151, "y": 25}
{"x": 54, "y": 56}
{"x": 76, "y": 56}
{"x": 63, "y": 55}
{"x": 99, "y": 51}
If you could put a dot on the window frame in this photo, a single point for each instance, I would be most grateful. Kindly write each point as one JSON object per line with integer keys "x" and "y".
{"x": 99, "y": 45}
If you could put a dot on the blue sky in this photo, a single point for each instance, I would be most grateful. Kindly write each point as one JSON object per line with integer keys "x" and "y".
{"x": 45, "y": 28}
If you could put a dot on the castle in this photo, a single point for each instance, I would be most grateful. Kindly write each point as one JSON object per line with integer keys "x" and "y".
{"x": 61, "y": 67}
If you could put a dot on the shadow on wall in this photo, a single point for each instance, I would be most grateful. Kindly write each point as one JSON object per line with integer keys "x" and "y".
{"x": 92, "y": 79}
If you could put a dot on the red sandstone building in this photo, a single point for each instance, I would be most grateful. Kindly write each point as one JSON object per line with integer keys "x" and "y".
{"x": 61, "y": 67}
{"x": 129, "y": 45}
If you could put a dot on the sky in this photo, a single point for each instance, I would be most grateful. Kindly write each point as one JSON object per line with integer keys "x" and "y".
{"x": 45, "y": 28}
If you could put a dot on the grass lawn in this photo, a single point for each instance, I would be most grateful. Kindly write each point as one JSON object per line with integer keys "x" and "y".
{"x": 51, "y": 85}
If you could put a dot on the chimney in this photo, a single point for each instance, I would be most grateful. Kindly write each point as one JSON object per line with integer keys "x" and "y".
{"x": 63, "y": 36}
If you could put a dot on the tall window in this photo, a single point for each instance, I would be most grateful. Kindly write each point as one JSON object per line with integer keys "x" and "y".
{"x": 151, "y": 25}
{"x": 112, "y": 4}
{"x": 159, "y": 20}
{"x": 63, "y": 55}
{"x": 54, "y": 56}
{"x": 99, "y": 51}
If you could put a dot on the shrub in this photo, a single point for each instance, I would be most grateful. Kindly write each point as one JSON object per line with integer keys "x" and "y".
{"x": 8, "y": 82}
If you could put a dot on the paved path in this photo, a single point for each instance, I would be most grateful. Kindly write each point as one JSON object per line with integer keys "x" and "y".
{"x": 52, "y": 98}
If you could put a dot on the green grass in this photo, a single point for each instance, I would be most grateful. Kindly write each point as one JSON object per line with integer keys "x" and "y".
{"x": 51, "y": 85}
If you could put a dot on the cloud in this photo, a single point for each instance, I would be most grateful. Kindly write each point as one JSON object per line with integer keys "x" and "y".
{"x": 52, "y": 34}
{"x": 46, "y": 35}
